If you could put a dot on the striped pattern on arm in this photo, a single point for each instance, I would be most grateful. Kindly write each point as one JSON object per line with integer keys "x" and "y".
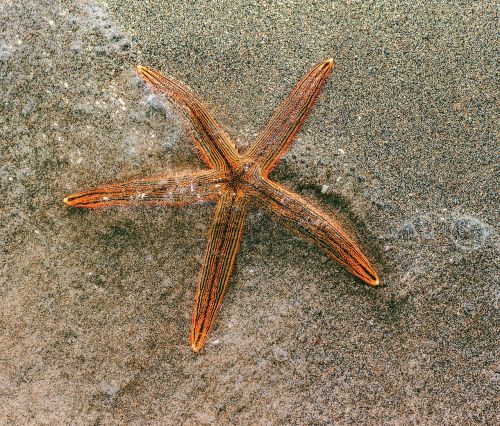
{"x": 159, "y": 190}
{"x": 317, "y": 227}
{"x": 223, "y": 243}
{"x": 215, "y": 147}
{"x": 275, "y": 139}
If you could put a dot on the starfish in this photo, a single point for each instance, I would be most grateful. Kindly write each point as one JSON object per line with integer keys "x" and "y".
{"x": 231, "y": 180}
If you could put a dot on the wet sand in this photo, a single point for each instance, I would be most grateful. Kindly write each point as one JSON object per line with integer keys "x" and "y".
{"x": 400, "y": 147}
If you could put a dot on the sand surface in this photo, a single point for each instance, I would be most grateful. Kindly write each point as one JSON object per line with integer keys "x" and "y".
{"x": 401, "y": 147}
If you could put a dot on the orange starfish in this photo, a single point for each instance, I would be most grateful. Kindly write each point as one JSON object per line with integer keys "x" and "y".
{"x": 231, "y": 180}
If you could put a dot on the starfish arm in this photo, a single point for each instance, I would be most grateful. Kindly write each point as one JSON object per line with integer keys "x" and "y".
{"x": 275, "y": 139}
{"x": 223, "y": 244}
{"x": 317, "y": 227}
{"x": 215, "y": 147}
{"x": 159, "y": 190}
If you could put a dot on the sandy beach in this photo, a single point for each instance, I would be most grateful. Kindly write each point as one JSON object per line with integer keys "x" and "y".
{"x": 401, "y": 147}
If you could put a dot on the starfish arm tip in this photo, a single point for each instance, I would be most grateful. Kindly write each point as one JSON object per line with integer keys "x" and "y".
{"x": 373, "y": 280}
{"x": 142, "y": 71}
{"x": 67, "y": 200}
{"x": 196, "y": 346}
